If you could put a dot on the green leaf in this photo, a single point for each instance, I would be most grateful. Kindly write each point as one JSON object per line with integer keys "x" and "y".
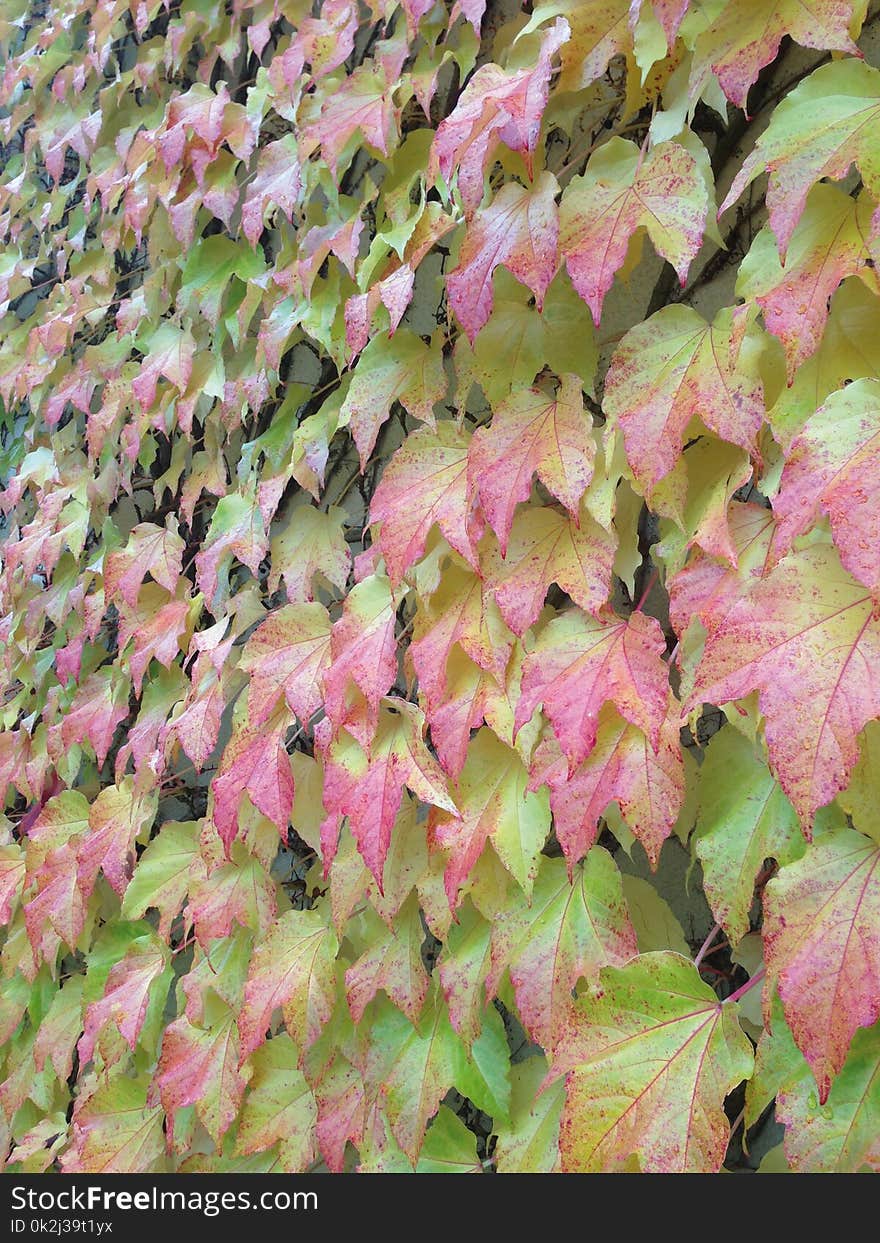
{"x": 279, "y": 1107}
{"x": 743, "y": 819}
{"x": 650, "y": 1055}
{"x": 529, "y": 1143}
{"x": 449, "y": 1147}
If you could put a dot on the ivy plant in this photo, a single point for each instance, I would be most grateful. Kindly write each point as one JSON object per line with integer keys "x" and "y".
{"x": 440, "y": 576}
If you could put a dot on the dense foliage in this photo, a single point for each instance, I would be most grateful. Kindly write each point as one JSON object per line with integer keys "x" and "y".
{"x": 439, "y": 608}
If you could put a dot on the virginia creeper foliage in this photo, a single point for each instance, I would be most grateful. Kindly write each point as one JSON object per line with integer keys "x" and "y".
{"x": 439, "y": 604}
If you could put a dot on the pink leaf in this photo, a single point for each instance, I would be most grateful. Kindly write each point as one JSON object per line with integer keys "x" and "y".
{"x": 424, "y": 483}
{"x": 518, "y": 229}
{"x": 578, "y": 663}
{"x": 624, "y": 190}
{"x": 533, "y": 434}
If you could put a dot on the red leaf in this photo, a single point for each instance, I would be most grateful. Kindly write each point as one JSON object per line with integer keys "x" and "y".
{"x": 495, "y": 107}
{"x": 362, "y": 102}
{"x": 518, "y": 229}
{"x": 363, "y": 652}
{"x": 533, "y": 434}
{"x": 624, "y": 190}
{"x": 805, "y": 637}
{"x": 822, "y": 947}
{"x": 255, "y": 761}
{"x": 125, "y": 999}
{"x": 423, "y": 484}
{"x": 578, "y": 663}
{"x": 277, "y": 184}
{"x": 368, "y": 788}
{"x": 288, "y": 654}
{"x": 623, "y": 768}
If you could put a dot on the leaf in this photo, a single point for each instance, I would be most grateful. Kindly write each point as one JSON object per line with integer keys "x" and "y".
{"x": 708, "y": 587}
{"x": 669, "y": 13}
{"x": 151, "y": 549}
{"x": 622, "y": 767}
{"x": 236, "y": 530}
{"x": 622, "y": 191}
{"x": 292, "y": 968}
{"x": 60, "y": 1029}
{"x": 532, "y": 434}
{"x": 399, "y": 368}
{"x": 198, "y": 726}
{"x": 574, "y": 926}
{"x": 255, "y": 761}
{"x": 279, "y": 1107}
{"x": 806, "y": 625}
{"x": 392, "y": 961}
{"x": 493, "y": 804}
{"x": 518, "y": 229}
{"x": 288, "y": 654}
{"x": 449, "y": 1147}
{"x": 57, "y": 912}
{"x": 797, "y": 151}
{"x": 650, "y": 1056}
{"x": 839, "y": 1136}
{"x": 578, "y": 663}
{"x": 362, "y": 102}
{"x": 115, "y": 1131}
{"x": 368, "y": 788}
{"x": 12, "y": 878}
{"x": 515, "y": 333}
{"x": 211, "y": 267}
{"x": 494, "y": 107}
{"x": 312, "y": 544}
{"x": 859, "y": 800}
{"x": 157, "y": 627}
{"x": 457, "y": 616}
{"x": 529, "y": 1144}
{"x": 742, "y": 39}
{"x": 743, "y": 819}
{"x": 277, "y": 184}
{"x": 483, "y": 1076}
{"x": 95, "y": 711}
{"x": 545, "y": 548}
{"x": 126, "y": 996}
{"x": 424, "y": 484}
{"x": 600, "y": 30}
{"x": 463, "y": 966}
{"x": 846, "y": 353}
{"x": 656, "y": 926}
{"x": 825, "y": 472}
{"x": 831, "y": 241}
{"x": 117, "y": 816}
{"x": 415, "y": 1069}
{"x": 671, "y": 369}
{"x": 395, "y": 293}
{"x": 458, "y": 710}
{"x": 200, "y": 1067}
{"x": 363, "y": 649}
{"x": 239, "y": 891}
{"x": 822, "y": 948}
{"x": 171, "y": 355}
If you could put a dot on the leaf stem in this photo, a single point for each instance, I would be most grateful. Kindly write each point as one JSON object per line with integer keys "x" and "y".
{"x": 749, "y": 984}
{"x": 648, "y": 589}
{"x": 701, "y": 953}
